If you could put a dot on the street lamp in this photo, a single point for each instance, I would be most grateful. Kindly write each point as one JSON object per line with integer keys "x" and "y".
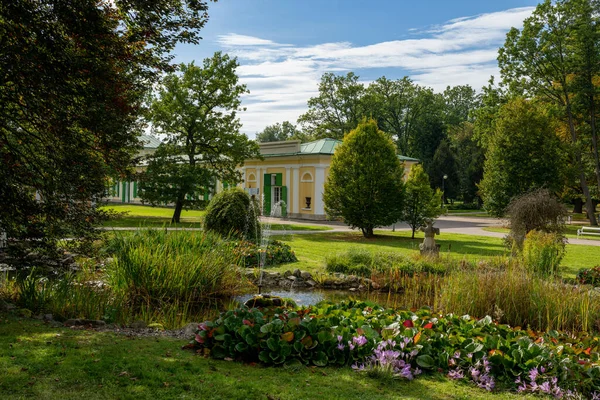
{"x": 443, "y": 189}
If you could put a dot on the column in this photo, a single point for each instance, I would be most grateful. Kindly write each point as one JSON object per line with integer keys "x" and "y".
{"x": 296, "y": 192}
{"x": 319, "y": 187}
{"x": 288, "y": 180}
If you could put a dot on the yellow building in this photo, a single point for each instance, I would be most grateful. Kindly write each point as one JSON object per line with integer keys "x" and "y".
{"x": 294, "y": 173}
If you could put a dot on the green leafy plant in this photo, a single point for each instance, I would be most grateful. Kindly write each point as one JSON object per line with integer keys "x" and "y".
{"x": 589, "y": 276}
{"x": 276, "y": 253}
{"x": 543, "y": 252}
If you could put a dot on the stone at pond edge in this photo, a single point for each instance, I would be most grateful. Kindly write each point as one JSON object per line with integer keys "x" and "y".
{"x": 266, "y": 300}
{"x": 139, "y": 325}
{"x": 305, "y": 275}
{"x": 297, "y": 273}
{"x": 190, "y": 329}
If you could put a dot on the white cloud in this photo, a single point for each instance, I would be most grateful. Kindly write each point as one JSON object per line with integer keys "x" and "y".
{"x": 282, "y": 77}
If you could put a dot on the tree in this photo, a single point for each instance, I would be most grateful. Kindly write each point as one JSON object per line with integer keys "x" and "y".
{"x": 421, "y": 202}
{"x": 443, "y": 171}
{"x": 460, "y": 101}
{"x": 524, "y": 153}
{"x": 540, "y": 61}
{"x": 469, "y": 156}
{"x": 72, "y": 78}
{"x": 365, "y": 185}
{"x": 337, "y": 109}
{"x": 279, "y": 133}
{"x": 197, "y": 113}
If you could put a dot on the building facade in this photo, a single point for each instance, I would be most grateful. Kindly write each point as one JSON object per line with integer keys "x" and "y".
{"x": 288, "y": 181}
{"x": 294, "y": 173}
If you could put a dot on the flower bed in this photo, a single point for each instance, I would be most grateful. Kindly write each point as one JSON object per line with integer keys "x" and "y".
{"x": 589, "y": 276}
{"x": 404, "y": 344}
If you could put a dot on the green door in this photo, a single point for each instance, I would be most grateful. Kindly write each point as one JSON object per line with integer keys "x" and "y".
{"x": 267, "y": 194}
{"x": 124, "y": 192}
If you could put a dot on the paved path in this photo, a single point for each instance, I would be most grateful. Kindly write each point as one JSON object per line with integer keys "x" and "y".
{"x": 462, "y": 224}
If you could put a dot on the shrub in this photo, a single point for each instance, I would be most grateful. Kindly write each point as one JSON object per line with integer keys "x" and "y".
{"x": 589, "y": 276}
{"x": 276, "y": 253}
{"x": 543, "y": 252}
{"x": 537, "y": 210}
{"x": 232, "y": 212}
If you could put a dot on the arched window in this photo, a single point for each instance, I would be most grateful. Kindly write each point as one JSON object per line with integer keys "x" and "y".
{"x": 306, "y": 177}
{"x": 251, "y": 178}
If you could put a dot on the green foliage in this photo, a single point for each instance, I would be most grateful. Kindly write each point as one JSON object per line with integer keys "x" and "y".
{"x": 524, "y": 154}
{"x": 197, "y": 111}
{"x": 365, "y": 185}
{"x": 367, "y": 264}
{"x": 373, "y": 339}
{"x": 421, "y": 202}
{"x": 73, "y": 78}
{"x": 516, "y": 296}
{"x": 337, "y": 109}
{"x": 589, "y": 276}
{"x": 543, "y": 252}
{"x": 469, "y": 158}
{"x": 281, "y": 132}
{"x": 155, "y": 272}
{"x": 554, "y": 58}
{"x": 231, "y": 212}
{"x": 276, "y": 253}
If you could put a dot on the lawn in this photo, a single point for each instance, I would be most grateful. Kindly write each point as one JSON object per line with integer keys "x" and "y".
{"x": 312, "y": 250}
{"x": 570, "y": 232}
{"x": 40, "y": 362}
{"x": 146, "y": 216}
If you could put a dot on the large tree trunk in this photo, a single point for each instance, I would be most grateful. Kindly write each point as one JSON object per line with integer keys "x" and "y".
{"x": 177, "y": 214}
{"x": 367, "y": 232}
{"x": 577, "y": 206}
{"x": 414, "y": 228}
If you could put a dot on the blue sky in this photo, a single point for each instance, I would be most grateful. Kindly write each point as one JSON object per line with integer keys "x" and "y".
{"x": 284, "y": 46}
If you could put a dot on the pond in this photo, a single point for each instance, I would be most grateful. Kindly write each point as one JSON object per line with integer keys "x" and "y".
{"x": 314, "y": 296}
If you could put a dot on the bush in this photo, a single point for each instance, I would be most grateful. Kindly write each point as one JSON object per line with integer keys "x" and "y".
{"x": 537, "y": 210}
{"x": 232, "y": 213}
{"x": 543, "y": 252}
{"x": 277, "y": 253}
{"x": 589, "y": 276}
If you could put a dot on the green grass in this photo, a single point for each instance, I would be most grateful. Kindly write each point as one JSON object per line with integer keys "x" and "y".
{"x": 311, "y": 250}
{"x": 59, "y": 363}
{"x": 138, "y": 215}
{"x": 470, "y": 213}
{"x": 152, "y": 217}
{"x": 570, "y": 232}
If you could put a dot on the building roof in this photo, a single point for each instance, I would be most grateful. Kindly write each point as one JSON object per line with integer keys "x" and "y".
{"x": 325, "y": 146}
{"x": 322, "y": 146}
{"x": 150, "y": 142}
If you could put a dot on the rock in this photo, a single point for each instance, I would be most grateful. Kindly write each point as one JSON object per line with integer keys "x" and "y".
{"x": 352, "y": 278}
{"x": 190, "y": 329}
{"x": 156, "y": 326}
{"x": 264, "y": 301}
{"x": 305, "y": 275}
{"x": 297, "y": 273}
{"x": 48, "y": 317}
{"x": 68, "y": 259}
{"x": 361, "y": 288}
{"x": 311, "y": 283}
{"x": 55, "y": 324}
{"x": 84, "y": 322}
{"x": 352, "y": 289}
{"x": 375, "y": 285}
{"x": 7, "y": 306}
{"x": 139, "y": 325}
{"x": 287, "y": 273}
{"x": 292, "y": 277}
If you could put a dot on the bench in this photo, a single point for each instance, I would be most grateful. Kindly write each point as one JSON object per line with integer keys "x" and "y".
{"x": 588, "y": 230}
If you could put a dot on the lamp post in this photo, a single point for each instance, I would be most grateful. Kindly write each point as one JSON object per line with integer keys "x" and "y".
{"x": 444, "y": 189}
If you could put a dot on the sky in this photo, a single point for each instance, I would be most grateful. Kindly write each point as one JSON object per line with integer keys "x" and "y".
{"x": 284, "y": 46}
